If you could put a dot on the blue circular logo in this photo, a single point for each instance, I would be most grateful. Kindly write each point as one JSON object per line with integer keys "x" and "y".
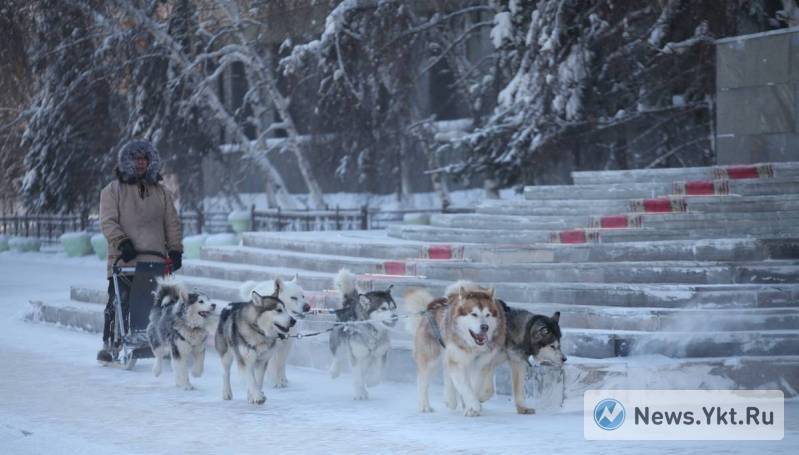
{"x": 609, "y": 414}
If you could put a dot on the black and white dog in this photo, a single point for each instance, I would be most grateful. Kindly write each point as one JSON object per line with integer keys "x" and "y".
{"x": 367, "y": 341}
{"x": 249, "y": 332}
{"x": 180, "y": 322}
{"x": 530, "y": 335}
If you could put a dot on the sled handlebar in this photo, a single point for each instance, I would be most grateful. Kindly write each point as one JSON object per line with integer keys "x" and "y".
{"x": 139, "y": 253}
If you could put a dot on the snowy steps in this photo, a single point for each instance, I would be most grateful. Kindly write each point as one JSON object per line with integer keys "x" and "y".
{"x": 722, "y": 230}
{"x": 607, "y": 213}
{"x": 654, "y": 189}
{"x": 229, "y": 263}
{"x": 383, "y": 247}
{"x": 676, "y": 220}
{"x": 365, "y": 244}
{"x": 665, "y": 203}
{"x": 733, "y": 172}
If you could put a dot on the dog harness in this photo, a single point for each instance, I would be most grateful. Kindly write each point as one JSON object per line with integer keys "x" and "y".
{"x": 435, "y": 328}
{"x": 178, "y": 334}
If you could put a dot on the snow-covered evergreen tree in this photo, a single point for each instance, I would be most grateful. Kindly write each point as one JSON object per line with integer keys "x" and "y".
{"x": 69, "y": 132}
{"x": 601, "y": 84}
{"x": 368, "y": 65}
{"x": 15, "y": 87}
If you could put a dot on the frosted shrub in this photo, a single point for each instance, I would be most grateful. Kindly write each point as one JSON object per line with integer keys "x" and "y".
{"x": 76, "y": 243}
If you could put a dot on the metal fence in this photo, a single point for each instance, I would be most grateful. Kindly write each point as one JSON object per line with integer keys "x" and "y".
{"x": 50, "y": 227}
{"x": 45, "y": 227}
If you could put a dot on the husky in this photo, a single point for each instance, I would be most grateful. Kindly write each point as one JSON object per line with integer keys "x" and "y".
{"x": 293, "y": 296}
{"x": 249, "y": 332}
{"x": 180, "y": 322}
{"x": 530, "y": 335}
{"x": 367, "y": 342}
{"x": 469, "y": 327}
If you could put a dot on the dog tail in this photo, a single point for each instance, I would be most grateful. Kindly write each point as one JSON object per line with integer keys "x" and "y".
{"x": 245, "y": 290}
{"x": 416, "y": 301}
{"x": 345, "y": 282}
{"x": 466, "y": 285}
{"x": 169, "y": 292}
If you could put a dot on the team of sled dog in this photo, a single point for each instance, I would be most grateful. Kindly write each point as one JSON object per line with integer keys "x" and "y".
{"x": 473, "y": 329}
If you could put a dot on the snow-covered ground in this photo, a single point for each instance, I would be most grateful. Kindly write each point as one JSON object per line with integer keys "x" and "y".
{"x": 55, "y": 399}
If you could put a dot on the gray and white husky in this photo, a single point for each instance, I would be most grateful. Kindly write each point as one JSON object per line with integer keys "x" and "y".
{"x": 367, "y": 343}
{"x": 249, "y": 332}
{"x": 292, "y": 294}
{"x": 180, "y": 322}
{"x": 530, "y": 335}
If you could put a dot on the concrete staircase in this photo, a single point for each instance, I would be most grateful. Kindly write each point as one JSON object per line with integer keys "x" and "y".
{"x": 671, "y": 277}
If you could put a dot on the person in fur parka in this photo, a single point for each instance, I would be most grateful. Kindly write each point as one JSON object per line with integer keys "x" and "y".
{"x": 137, "y": 213}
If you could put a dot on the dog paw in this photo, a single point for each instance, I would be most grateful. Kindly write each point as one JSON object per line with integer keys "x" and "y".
{"x": 361, "y": 396}
{"x": 227, "y": 395}
{"x": 156, "y": 372}
{"x": 197, "y": 373}
{"x": 472, "y": 412}
{"x": 281, "y": 384}
{"x": 186, "y": 386}
{"x": 525, "y": 410}
{"x": 425, "y": 408}
{"x": 452, "y": 404}
{"x": 260, "y": 398}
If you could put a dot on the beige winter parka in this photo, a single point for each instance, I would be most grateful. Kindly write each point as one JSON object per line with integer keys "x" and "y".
{"x": 141, "y": 210}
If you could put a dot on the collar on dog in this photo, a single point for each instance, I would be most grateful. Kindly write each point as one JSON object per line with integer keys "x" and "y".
{"x": 255, "y": 348}
{"x": 178, "y": 334}
{"x": 245, "y": 343}
{"x": 435, "y": 328}
{"x": 258, "y": 330}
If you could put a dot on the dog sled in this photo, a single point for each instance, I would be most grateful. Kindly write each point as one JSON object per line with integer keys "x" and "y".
{"x": 133, "y": 299}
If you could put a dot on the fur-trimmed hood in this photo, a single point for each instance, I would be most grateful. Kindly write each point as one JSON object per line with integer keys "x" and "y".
{"x": 126, "y": 162}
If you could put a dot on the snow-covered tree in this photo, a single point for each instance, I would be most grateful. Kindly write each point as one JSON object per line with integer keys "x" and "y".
{"x": 15, "y": 86}
{"x": 154, "y": 102}
{"x": 592, "y": 84}
{"x": 230, "y": 31}
{"x": 69, "y": 131}
{"x": 105, "y": 72}
{"x": 601, "y": 84}
{"x": 367, "y": 66}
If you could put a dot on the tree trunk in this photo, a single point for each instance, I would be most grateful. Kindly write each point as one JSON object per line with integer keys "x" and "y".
{"x": 405, "y": 193}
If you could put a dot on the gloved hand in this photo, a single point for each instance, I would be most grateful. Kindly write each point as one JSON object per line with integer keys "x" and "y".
{"x": 128, "y": 250}
{"x": 177, "y": 259}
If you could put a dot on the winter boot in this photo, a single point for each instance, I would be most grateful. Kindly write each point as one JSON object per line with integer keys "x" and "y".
{"x": 107, "y": 354}
{"x": 104, "y": 356}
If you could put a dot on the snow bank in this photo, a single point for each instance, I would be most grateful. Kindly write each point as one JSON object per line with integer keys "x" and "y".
{"x": 76, "y": 243}
{"x": 23, "y": 244}
{"x": 226, "y": 239}
{"x": 100, "y": 246}
{"x": 192, "y": 246}
{"x": 240, "y": 221}
{"x": 416, "y": 218}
